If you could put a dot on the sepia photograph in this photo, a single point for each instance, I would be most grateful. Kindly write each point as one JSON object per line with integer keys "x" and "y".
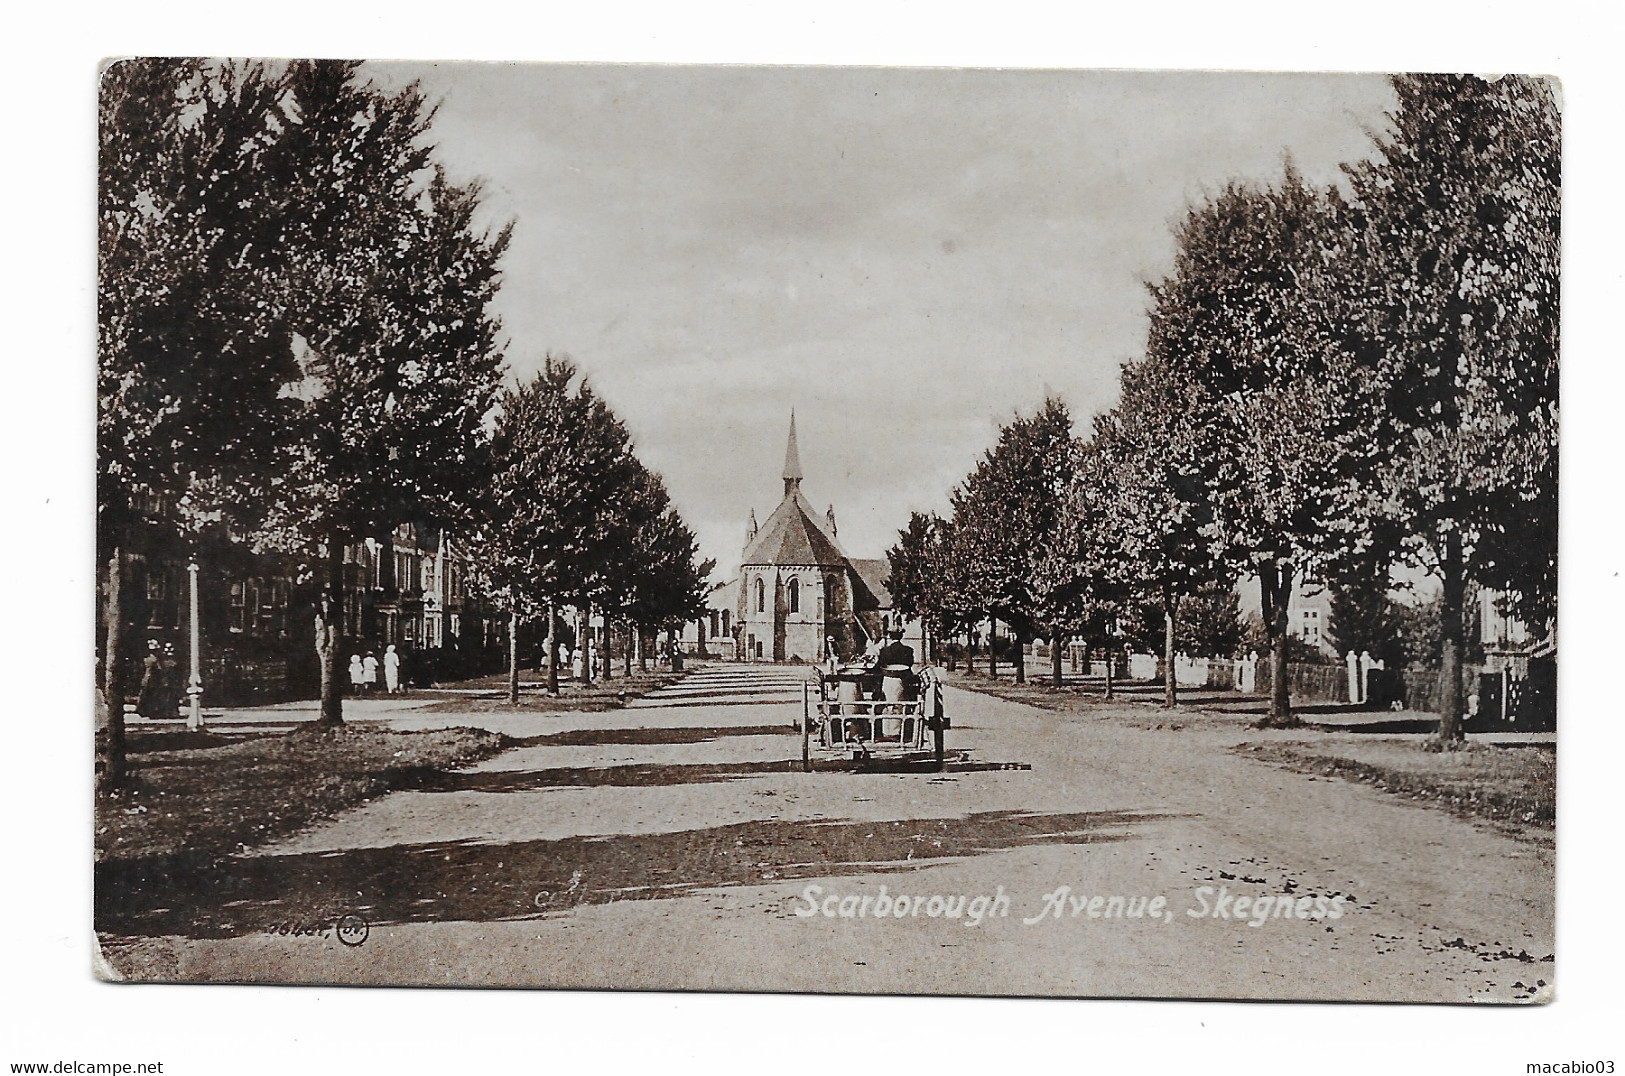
{"x": 827, "y": 530}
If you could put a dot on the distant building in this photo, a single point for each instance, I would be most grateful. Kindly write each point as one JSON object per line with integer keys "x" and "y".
{"x": 712, "y": 635}
{"x": 256, "y": 610}
{"x": 1309, "y": 614}
{"x": 1518, "y": 686}
{"x": 797, "y": 589}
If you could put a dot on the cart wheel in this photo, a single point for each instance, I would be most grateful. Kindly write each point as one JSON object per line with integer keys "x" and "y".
{"x": 939, "y": 722}
{"x": 806, "y": 731}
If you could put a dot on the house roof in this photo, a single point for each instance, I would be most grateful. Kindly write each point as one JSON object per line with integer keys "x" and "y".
{"x": 791, "y": 536}
{"x": 723, "y": 596}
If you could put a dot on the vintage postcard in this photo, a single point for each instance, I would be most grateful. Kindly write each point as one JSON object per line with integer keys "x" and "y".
{"x": 832, "y": 530}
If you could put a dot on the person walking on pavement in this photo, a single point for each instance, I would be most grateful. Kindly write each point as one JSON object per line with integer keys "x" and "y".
{"x": 357, "y": 675}
{"x": 146, "y": 700}
{"x": 392, "y": 670}
{"x": 173, "y": 691}
{"x": 369, "y": 673}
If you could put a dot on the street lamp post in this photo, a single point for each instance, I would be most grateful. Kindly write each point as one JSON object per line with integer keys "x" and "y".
{"x": 194, "y": 688}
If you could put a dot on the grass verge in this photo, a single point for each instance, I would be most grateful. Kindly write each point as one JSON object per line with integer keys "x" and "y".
{"x": 207, "y": 794}
{"x": 1134, "y": 703}
{"x": 492, "y": 694}
{"x": 1504, "y": 784}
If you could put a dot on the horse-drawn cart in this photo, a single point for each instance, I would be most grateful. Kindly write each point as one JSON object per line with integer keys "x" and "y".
{"x": 864, "y": 713}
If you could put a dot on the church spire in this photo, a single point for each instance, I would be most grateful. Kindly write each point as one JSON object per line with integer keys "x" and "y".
{"x": 792, "y": 460}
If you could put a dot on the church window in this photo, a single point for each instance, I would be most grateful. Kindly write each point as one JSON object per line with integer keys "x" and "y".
{"x": 795, "y": 595}
{"x": 725, "y": 629}
{"x": 761, "y": 595}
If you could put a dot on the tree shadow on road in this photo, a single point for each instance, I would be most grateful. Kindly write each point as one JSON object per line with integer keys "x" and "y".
{"x": 591, "y": 737}
{"x": 481, "y": 882}
{"x": 649, "y": 774}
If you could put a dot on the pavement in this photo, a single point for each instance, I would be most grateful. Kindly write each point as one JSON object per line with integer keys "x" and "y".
{"x": 676, "y": 844}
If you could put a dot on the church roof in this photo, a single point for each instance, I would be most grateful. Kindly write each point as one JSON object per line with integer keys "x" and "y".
{"x": 792, "y": 537}
{"x": 873, "y": 574}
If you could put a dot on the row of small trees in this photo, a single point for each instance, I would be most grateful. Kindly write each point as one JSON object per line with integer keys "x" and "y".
{"x": 1335, "y": 381}
{"x": 296, "y": 349}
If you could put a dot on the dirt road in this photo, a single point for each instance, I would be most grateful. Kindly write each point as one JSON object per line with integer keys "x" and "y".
{"x": 675, "y": 844}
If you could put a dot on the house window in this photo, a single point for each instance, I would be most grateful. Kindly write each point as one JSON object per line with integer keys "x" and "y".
{"x": 725, "y": 629}
{"x": 279, "y": 617}
{"x": 795, "y": 595}
{"x": 157, "y": 583}
{"x": 235, "y": 621}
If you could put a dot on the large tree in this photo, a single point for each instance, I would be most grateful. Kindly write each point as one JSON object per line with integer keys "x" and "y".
{"x": 293, "y": 327}
{"x": 192, "y": 341}
{"x": 1004, "y": 517}
{"x": 559, "y": 458}
{"x": 922, "y": 580}
{"x": 389, "y": 305}
{"x": 1082, "y": 580}
{"x": 1152, "y": 494}
{"x": 661, "y": 581}
{"x": 1457, "y": 219}
{"x": 1254, "y": 322}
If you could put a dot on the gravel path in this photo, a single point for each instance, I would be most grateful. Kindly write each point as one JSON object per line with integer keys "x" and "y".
{"x": 672, "y": 844}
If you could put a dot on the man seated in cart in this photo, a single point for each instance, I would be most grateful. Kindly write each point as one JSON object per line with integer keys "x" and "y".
{"x": 896, "y": 661}
{"x": 855, "y": 716}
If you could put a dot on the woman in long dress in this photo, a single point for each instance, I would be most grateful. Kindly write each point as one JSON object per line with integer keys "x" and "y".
{"x": 147, "y": 704}
{"x": 369, "y": 672}
{"x": 357, "y": 674}
{"x": 392, "y": 670}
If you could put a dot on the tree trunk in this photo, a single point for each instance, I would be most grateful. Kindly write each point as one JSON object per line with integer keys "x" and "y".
{"x": 513, "y": 655}
{"x": 993, "y": 649}
{"x": 643, "y": 651}
{"x": 329, "y": 633}
{"x": 1021, "y": 658}
{"x": 609, "y": 647}
{"x": 1110, "y": 655}
{"x": 584, "y": 640}
{"x": 1450, "y": 641}
{"x": 1170, "y": 678}
{"x": 1275, "y": 599}
{"x": 552, "y": 649}
{"x": 1055, "y": 660}
{"x": 113, "y": 764}
{"x": 626, "y": 655}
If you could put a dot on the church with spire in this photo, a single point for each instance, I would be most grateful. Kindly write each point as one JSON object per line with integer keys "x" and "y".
{"x": 797, "y": 590}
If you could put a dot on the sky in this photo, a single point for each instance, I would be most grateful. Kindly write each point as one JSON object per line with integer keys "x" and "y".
{"x": 906, "y": 257}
